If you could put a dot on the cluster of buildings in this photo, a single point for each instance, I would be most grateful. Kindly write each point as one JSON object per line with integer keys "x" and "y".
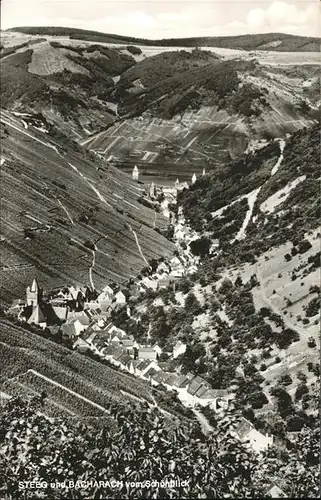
{"x": 121, "y": 350}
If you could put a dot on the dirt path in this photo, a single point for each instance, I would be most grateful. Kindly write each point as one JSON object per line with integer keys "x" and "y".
{"x": 91, "y": 270}
{"x": 206, "y": 427}
{"x": 66, "y": 212}
{"x": 138, "y": 246}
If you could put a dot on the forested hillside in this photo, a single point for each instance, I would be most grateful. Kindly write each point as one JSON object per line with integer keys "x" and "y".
{"x": 143, "y": 450}
{"x": 214, "y": 203}
{"x": 268, "y": 41}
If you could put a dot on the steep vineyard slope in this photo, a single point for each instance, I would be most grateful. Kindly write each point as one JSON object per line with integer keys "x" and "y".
{"x": 64, "y": 213}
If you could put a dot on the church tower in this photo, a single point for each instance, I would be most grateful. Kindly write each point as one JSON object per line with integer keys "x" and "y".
{"x": 152, "y": 190}
{"x": 33, "y": 294}
{"x": 193, "y": 178}
{"x": 135, "y": 173}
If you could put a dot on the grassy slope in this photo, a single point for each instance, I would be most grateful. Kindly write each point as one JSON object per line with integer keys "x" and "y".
{"x": 247, "y": 42}
{"x": 40, "y": 187}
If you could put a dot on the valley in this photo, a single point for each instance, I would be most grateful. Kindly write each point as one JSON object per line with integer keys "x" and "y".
{"x": 160, "y": 265}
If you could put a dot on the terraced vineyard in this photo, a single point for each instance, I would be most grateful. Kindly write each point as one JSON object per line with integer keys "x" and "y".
{"x": 59, "y": 401}
{"x": 21, "y": 351}
{"x": 57, "y": 198}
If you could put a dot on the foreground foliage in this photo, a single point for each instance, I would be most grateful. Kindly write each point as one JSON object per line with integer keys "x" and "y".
{"x": 35, "y": 448}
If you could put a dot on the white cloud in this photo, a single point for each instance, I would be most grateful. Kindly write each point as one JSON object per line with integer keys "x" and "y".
{"x": 255, "y": 17}
{"x": 282, "y": 16}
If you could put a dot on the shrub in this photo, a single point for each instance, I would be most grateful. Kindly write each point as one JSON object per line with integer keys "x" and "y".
{"x": 313, "y": 307}
{"x": 311, "y": 342}
{"x": 201, "y": 246}
{"x": 285, "y": 380}
{"x": 257, "y": 399}
{"x": 134, "y": 50}
{"x": 304, "y": 246}
{"x": 302, "y": 389}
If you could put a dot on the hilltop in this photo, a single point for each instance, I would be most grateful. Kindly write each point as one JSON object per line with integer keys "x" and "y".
{"x": 267, "y": 41}
{"x": 172, "y": 111}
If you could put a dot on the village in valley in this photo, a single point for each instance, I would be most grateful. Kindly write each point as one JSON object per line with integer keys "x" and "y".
{"x": 82, "y": 317}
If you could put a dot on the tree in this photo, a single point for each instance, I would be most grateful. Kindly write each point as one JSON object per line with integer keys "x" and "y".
{"x": 286, "y": 337}
{"x": 284, "y": 402}
{"x": 301, "y": 390}
{"x": 311, "y": 342}
{"x": 192, "y": 354}
{"x": 184, "y": 285}
{"x": 250, "y": 369}
{"x": 226, "y": 286}
{"x": 192, "y": 305}
{"x": 238, "y": 281}
{"x": 144, "y": 445}
{"x": 257, "y": 399}
{"x": 201, "y": 246}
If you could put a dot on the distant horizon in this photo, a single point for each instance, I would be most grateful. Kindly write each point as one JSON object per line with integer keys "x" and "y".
{"x": 164, "y": 19}
{"x": 16, "y": 28}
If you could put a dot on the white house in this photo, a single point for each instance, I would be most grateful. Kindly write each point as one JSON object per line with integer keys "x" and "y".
{"x": 72, "y": 328}
{"x": 176, "y": 263}
{"x": 247, "y": 433}
{"x": 178, "y": 349}
{"x": 193, "y": 178}
{"x": 147, "y": 353}
{"x": 150, "y": 283}
{"x": 120, "y": 298}
{"x": 158, "y": 349}
{"x": 162, "y": 267}
{"x": 164, "y": 281}
{"x": 105, "y": 297}
{"x": 276, "y": 492}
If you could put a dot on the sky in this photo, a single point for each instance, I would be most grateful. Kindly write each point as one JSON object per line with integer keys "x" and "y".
{"x": 168, "y": 18}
